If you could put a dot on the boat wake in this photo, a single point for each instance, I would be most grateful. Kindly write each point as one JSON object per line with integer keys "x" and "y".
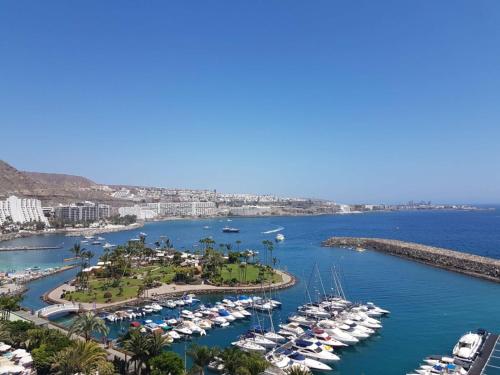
{"x": 273, "y": 230}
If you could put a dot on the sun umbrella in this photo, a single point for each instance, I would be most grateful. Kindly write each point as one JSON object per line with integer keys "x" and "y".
{"x": 25, "y": 361}
{"x": 14, "y": 369}
{"x": 19, "y": 353}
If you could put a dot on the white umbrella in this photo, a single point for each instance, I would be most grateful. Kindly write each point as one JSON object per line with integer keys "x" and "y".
{"x": 19, "y": 353}
{"x": 14, "y": 369}
{"x": 4, "y": 347}
{"x": 25, "y": 361}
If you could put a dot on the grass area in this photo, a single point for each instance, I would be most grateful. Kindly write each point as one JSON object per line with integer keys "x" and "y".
{"x": 246, "y": 275}
{"x": 104, "y": 290}
{"x": 100, "y": 287}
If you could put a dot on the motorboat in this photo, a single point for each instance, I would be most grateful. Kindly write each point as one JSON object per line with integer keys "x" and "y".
{"x": 337, "y": 333}
{"x": 310, "y": 363}
{"x": 108, "y": 245}
{"x": 323, "y": 337}
{"x": 184, "y": 329}
{"x": 280, "y": 237}
{"x": 226, "y": 315}
{"x": 293, "y": 328}
{"x": 311, "y": 350}
{"x": 220, "y": 321}
{"x": 195, "y": 328}
{"x": 468, "y": 346}
{"x": 259, "y": 340}
{"x": 267, "y": 334}
{"x": 278, "y": 360}
{"x": 187, "y": 314}
{"x": 241, "y": 310}
{"x": 156, "y": 307}
{"x": 249, "y": 346}
{"x": 147, "y": 309}
{"x": 170, "y": 304}
{"x": 316, "y": 312}
{"x": 236, "y": 314}
{"x": 302, "y": 320}
{"x": 230, "y": 230}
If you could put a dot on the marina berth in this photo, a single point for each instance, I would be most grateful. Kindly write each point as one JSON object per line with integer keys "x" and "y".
{"x": 471, "y": 355}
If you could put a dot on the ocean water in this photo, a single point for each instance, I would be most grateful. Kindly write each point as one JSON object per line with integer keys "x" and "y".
{"x": 430, "y": 308}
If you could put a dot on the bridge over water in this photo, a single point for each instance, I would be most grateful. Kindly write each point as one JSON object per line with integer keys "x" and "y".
{"x": 51, "y": 310}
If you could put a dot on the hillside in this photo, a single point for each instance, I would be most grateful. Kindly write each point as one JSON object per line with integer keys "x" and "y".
{"x": 61, "y": 180}
{"x": 51, "y": 188}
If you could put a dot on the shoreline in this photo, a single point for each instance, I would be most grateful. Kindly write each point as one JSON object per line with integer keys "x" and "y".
{"x": 70, "y": 232}
{"x": 451, "y": 260}
{"x": 53, "y": 296}
{"x": 91, "y": 231}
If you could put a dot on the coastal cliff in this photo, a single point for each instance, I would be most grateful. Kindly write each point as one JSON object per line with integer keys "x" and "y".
{"x": 473, "y": 265}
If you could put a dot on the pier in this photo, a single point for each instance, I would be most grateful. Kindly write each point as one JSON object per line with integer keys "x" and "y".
{"x": 469, "y": 264}
{"x": 21, "y": 248}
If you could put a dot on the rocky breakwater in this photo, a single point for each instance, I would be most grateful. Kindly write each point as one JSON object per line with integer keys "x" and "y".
{"x": 474, "y": 265}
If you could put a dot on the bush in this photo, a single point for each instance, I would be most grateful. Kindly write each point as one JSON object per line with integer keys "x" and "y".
{"x": 107, "y": 295}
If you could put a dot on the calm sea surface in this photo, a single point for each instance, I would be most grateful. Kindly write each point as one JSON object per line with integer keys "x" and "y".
{"x": 430, "y": 308}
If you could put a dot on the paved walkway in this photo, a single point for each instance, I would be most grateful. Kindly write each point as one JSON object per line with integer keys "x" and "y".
{"x": 54, "y": 296}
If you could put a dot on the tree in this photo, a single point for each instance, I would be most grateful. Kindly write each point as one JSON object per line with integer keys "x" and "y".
{"x": 156, "y": 344}
{"x": 168, "y": 363}
{"x": 86, "y": 324}
{"x": 138, "y": 345}
{"x": 9, "y": 303}
{"x": 238, "y": 243}
{"x": 201, "y": 356}
{"x": 298, "y": 370}
{"x": 81, "y": 357}
{"x": 269, "y": 248}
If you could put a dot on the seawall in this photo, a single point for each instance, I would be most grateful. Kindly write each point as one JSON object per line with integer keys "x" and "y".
{"x": 473, "y": 265}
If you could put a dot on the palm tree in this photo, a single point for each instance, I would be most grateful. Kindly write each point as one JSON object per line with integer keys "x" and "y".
{"x": 8, "y": 304}
{"x": 201, "y": 356}
{"x": 138, "y": 345}
{"x": 82, "y": 357}
{"x": 298, "y": 370}
{"x": 238, "y": 243}
{"x": 86, "y": 324}
{"x": 156, "y": 344}
{"x": 269, "y": 247}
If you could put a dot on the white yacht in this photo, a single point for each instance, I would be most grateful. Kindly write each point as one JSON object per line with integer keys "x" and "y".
{"x": 310, "y": 363}
{"x": 311, "y": 350}
{"x": 250, "y": 346}
{"x": 292, "y": 327}
{"x": 280, "y": 237}
{"x": 468, "y": 346}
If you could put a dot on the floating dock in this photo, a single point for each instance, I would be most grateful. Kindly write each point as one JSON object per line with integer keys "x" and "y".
{"x": 473, "y": 265}
{"x": 488, "y": 360}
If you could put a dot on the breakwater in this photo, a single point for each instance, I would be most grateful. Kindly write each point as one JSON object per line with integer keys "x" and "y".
{"x": 473, "y": 265}
{"x": 20, "y": 248}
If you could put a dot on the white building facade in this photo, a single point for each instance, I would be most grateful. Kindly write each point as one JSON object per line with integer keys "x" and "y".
{"x": 22, "y": 210}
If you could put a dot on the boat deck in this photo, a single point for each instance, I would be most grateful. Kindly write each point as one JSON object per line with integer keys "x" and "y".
{"x": 488, "y": 361}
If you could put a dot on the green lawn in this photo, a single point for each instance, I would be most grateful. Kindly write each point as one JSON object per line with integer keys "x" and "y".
{"x": 130, "y": 285}
{"x": 249, "y": 274}
{"x": 98, "y": 287}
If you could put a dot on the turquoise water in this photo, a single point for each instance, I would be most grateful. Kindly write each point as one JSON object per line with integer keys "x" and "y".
{"x": 430, "y": 308}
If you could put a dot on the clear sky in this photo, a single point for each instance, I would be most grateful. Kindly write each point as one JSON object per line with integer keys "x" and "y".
{"x": 355, "y": 101}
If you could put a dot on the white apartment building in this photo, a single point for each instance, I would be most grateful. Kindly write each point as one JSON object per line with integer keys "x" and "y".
{"x": 142, "y": 213}
{"x": 151, "y": 210}
{"x": 22, "y": 210}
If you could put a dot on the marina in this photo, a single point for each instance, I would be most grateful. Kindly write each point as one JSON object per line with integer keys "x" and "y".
{"x": 417, "y": 325}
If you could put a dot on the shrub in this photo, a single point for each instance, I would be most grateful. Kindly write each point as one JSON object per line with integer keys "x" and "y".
{"x": 107, "y": 295}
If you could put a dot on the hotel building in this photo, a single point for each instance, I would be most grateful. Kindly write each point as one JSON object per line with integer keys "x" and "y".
{"x": 22, "y": 210}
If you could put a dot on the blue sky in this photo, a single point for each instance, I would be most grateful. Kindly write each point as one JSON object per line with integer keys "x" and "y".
{"x": 356, "y": 101}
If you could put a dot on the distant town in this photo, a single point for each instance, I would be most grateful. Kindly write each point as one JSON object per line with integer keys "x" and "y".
{"x": 35, "y": 202}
